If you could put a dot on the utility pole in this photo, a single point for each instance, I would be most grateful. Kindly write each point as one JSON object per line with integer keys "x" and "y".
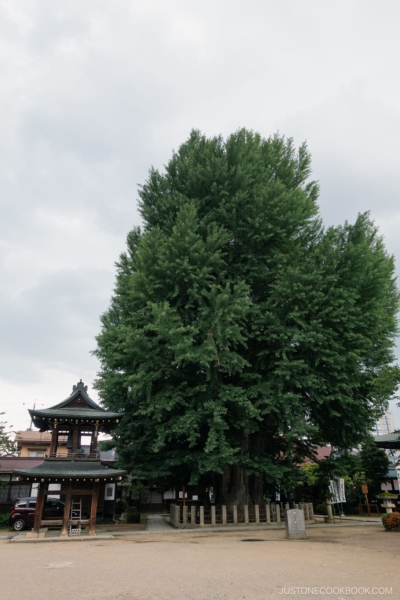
{"x": 30, "y": 426}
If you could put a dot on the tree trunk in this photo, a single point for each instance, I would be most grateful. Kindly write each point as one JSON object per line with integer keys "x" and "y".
{"x": 239, "y": 491}
{"x": 257, "y": 489}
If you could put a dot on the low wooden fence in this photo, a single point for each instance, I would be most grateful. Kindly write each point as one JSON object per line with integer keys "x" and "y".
{"x": 198, "y": 516}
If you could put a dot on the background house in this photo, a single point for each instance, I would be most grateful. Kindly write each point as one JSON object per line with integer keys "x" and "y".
{"x": 34, "y": 444}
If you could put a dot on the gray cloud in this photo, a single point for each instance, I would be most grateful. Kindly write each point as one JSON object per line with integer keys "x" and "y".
{"x": 94, "y": 93}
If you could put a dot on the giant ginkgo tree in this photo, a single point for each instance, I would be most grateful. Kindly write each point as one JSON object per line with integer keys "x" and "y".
{"x": 241, "y": 332}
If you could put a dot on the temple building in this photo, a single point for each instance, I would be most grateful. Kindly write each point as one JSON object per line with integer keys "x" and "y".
{"x": 77, "y": 474}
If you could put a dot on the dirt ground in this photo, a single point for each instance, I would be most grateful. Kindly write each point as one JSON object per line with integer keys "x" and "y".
{"x": 205, "y": 566}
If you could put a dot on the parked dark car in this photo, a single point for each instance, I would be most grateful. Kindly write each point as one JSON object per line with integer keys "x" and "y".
{"x": 23, "y": 512}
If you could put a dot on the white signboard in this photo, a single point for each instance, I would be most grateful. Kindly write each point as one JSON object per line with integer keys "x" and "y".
{"x": 337, "y": 490}
{"x": 109, "y": 492}
{"x": 341, "y": 490}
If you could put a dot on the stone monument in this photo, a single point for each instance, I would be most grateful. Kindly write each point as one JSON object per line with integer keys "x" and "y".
{"x": 295, "y": 524}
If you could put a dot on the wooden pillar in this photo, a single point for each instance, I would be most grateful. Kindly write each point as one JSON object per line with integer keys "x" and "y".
{"x": 93, "y": 509}
{"x": 54, "y": 438}
{"x": 75, "y": 433}
{"x": 67, "y": 510}
{"x": 93, "y": 446}
{"x": 39, "y": 506}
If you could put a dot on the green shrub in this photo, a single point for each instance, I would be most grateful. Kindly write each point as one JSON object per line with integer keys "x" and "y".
{"x": 122, "y": 505}
{"x": 321, "y": 509}
{"x": 391, "y": 521}
{"x": 4, "y": 520}
{"x": 132, "y": 515}
{"x": 104, "y": 521}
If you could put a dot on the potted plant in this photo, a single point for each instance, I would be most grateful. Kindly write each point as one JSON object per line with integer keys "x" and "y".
{"x": 391, "y": 521}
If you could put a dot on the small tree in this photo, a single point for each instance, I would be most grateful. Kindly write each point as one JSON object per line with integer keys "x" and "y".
{"x": 6, "y": 443}
{"x": 374, "y": 462}
{"x": 139, "y": 493}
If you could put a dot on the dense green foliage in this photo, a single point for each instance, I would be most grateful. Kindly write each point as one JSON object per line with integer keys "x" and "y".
{"x": 369, "y": 465}
{"x": 374, "y": 463}
{"x": 241, "y": 333}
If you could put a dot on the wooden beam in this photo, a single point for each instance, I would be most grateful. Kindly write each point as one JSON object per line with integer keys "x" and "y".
{"x": 49, "y": 522}
{"x": 93, "y": 509}
{"x": 39, "y": 506}
{"x": 58, "y": 522}
{"x": 93, "y": 445}
{"x": 67, "y": 510}
{"x": 63, "y": 492}
{"x": 79, "y": 521}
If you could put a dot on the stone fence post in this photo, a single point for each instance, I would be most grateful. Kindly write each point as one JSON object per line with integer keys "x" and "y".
{"x": 235, "y": 517}
{"x": 278, "y": 513}
{"x": 175, "y": 514}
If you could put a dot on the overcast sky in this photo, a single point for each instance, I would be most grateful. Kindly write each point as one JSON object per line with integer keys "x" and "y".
{"x": 93, "y": 93}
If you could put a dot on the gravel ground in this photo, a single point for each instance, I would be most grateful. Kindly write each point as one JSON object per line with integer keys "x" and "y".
{"x": 204, "y": 566}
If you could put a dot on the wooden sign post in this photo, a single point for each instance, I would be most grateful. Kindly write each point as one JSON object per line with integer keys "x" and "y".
{"x": 364, "y": 489}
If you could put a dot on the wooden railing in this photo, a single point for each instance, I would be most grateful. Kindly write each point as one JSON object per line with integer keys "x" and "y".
{"x": 76, "y": 456}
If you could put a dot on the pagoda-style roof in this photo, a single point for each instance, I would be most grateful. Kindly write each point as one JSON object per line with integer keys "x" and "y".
{"x": 63, "y": 470}
{"x": 390, "y": 441}
{"x": 78, "y": 408}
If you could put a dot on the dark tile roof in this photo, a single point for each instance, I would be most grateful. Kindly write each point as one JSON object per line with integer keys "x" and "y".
{"x": 78, "y": 405}
{"x": 9, "y": 463}
{"x": 69, "y": 470}
{"x": 80, "y": 389}
{"x": 389, "y": 441}
{"x": 74, "y": 413}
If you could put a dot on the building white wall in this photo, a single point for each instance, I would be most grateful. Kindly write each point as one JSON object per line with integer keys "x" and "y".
{"x": 386, "y": 424}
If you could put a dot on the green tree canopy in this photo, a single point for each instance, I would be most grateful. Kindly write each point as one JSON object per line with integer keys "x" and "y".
{"x": 374, "y": 462}
{"x": 241, "y": 332}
